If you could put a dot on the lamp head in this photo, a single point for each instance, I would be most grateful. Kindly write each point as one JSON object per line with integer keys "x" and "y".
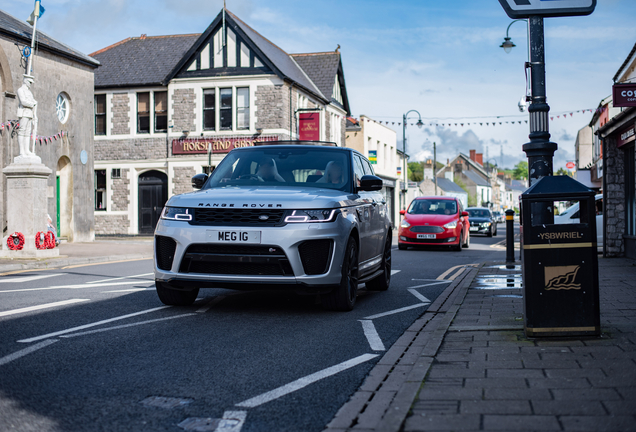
{"x": 419, "y": 123}
{"x": 507, "y": 45}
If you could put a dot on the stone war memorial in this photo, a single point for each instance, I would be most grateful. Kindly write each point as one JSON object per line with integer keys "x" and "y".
{"x": 46, "y": 141}
{"x": 26, "y": 185}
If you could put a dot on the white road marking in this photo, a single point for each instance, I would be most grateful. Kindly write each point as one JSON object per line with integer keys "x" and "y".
{"x": 395, "y": 272}
{"x": 129, "y": 290}
{"x": 372, "y": 335}
{"x": 304, "y": 382}
{"x": 419, "y": 296}
{"x": 431, "y": 284}
{"x": 450, "y": 270}
{"x": 79, "y": 286}
{"x": 120, "y": 278}
{"x": 126, "y": 325}
{"x": 395, "y": 311}
{"x": 28, "y": 278}
{"x": 232, "y": 421}
{"x": 85, "y": 326}
{"x": 16, "y": 355}
{"x": 42, "y": 306}
{"x": 207, "y": 305}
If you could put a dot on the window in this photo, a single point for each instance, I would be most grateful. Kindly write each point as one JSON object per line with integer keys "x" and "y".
{"x": 115, "y": 173}
{"x": 226, "y": 108}
{"x": 100, "y": 114}
{"x": 62, "y": 107}
{"x": 161, "y": 111}
{"x": 357, "y": 169}
{"x": 209, "y": 105}
{"x": 243, "y": 108}
{"x": 143, "y": 112}
{"x": 100, "y": 190}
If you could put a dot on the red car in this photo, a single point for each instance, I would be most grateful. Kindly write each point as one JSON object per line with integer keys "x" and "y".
{"x": 434, "y": 221}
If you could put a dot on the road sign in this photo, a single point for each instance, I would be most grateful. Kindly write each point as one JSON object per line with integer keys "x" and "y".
{"x": 547, "y": 8}
{"x": 373, "y": 157}
{"x": 570, "y": 165}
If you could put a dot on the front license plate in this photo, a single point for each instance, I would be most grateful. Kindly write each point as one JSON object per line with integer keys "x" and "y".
{"x": 474, "y": 228}
{"x": 245, "y": 237}
{"x": 426, "y": 236}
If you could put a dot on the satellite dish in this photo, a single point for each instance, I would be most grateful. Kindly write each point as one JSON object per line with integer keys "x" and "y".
{"x": 522, "y": 104}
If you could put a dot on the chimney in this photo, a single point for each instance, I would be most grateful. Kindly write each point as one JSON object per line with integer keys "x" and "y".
{"x": 472, "y": 155}
{"x": 448, "y": 162}
{"x": 479, "y": 158}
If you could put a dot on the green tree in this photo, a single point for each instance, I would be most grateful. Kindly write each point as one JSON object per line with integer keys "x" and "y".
{"x": 521, "y": 171}
{"x": 563, "y": 171}
{"x": 416, "y": 171}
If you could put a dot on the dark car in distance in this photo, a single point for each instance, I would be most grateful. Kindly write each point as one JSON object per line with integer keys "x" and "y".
{"x": 482, "y": 221}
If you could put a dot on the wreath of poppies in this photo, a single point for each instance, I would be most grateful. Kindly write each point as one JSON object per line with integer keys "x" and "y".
{"x": 40, "y": 240}
{"x": 15, "y": 241}
{"x": 49, "y": 240}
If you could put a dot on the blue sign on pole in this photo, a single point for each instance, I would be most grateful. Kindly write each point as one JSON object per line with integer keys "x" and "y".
{"x": 547, "y": 8}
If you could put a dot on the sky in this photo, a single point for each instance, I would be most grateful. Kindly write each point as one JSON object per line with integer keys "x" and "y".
{"x": 440, "y": 58}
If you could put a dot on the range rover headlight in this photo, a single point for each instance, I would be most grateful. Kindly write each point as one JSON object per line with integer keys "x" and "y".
{"x": 304, "y": 216}
{"x": 176, "y": 214}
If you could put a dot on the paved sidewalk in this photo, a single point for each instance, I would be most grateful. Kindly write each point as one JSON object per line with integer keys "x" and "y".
{"x": 103, "y": 249}
{"x": 484, "y": 375}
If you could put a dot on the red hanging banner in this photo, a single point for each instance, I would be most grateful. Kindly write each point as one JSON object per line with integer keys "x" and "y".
{"x": 309, "y": 126}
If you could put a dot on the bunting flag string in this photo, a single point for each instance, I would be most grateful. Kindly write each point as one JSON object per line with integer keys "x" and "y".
{"x": 14, "y": 125}
{"x": 446, "y": 123}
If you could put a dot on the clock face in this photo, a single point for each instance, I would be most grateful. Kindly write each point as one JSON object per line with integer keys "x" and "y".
{"x": 62, "y": 108}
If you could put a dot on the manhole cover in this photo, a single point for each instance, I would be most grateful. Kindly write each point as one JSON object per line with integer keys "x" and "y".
{"x": 199, "y": 424}
{"x": 165, "y": 402}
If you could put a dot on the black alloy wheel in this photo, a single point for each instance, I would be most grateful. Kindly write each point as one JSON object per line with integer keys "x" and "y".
{"x": 174, "y": 297}
{"x": 343, "y": 295}
{"x": 382, "y": 282}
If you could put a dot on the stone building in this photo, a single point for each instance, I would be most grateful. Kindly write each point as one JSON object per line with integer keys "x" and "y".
{"x": 169, "y": 107}
{"x": 470, "y": 173}
{"x": 617, "y": 136}
{"x": 379, "y": 144}
{"x": 63, "y": 88}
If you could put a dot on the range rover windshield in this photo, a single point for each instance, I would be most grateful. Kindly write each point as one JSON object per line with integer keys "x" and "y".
{"x": 296, "y": 167}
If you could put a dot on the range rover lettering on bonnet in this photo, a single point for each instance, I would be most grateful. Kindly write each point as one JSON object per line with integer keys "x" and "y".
{"x": 240, "y": 205}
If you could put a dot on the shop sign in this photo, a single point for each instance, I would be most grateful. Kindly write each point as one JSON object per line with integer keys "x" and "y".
{"x": 624, "y": 95}
{"x": 399, "y": 171}
{"x": 309, "y": 126}
{"x": 625, "y": 136}
{"x": 570, "y": 165}
{"x": 216, "y": 144}
{"x": 373, "y": 157}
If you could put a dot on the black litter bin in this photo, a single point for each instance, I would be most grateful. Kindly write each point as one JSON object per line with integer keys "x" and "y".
{"x": 560, "y": 262}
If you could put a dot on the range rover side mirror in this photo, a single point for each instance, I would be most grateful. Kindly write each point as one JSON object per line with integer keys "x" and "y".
{"x": 464, "y": 213}
{"x": 369, "y": 183}
{"x": 199, "y": 180}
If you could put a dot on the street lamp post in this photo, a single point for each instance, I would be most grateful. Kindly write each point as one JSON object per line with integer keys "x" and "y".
{"x": 507, "y": 44}
{"x": 405, "y": 168}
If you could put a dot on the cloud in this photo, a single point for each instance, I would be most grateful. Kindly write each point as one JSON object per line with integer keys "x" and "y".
{"x": 565, "y": 136}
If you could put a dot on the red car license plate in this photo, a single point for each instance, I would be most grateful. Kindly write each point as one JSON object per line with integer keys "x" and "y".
{"x": 426, "y": 236}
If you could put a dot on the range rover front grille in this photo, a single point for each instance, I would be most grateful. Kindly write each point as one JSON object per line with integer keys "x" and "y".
{"x": 237, "y": 217}
{"x": 243, "y": 260}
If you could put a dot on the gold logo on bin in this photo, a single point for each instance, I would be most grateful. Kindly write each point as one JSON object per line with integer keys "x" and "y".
{"x": 561, "y": 277}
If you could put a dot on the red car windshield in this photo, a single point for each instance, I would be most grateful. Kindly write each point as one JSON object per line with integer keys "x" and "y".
{"x": 433, "y": 207}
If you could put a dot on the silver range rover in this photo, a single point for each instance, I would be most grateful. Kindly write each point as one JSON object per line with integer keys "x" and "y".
{"x": 304, "y": 217}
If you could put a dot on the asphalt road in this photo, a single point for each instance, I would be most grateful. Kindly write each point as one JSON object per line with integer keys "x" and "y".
{"x": 91, "y": 348}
